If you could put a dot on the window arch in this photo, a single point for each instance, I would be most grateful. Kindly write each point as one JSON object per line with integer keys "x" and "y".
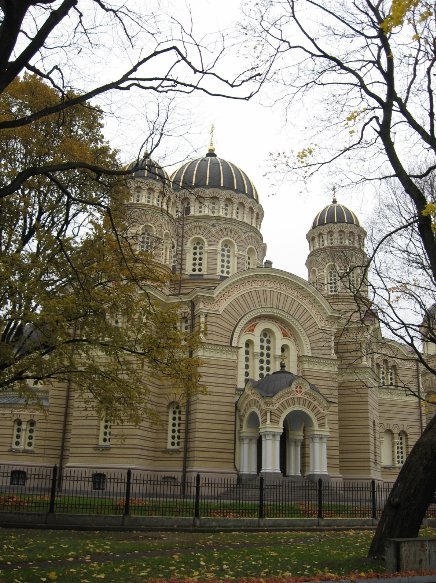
{"x": 321, "y": 241}
{"x": 387, "y": 448}
{"x": 330, "y": 238}
{"x": 401, "y": 448}
{"x": 332, "y": 280}
{"x": 146, "y": 238}
{"x": 197, "y": 256}
{"x": 391, "y": 376}
{"x": 341, "y": 238}
{"x": 226, "y": 260}
{"x": 251, "y": 258}
{"x": 186, "y": 207}
{"x": 174, "y": 426}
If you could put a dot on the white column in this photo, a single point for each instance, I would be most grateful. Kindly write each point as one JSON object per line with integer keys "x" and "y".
{"x": 266, "y": 452}
{"x": 270, "y": 451}
{"x": 314, "y": 454}
{"x": 293, "y": 456}
{"x": 244, "y": 455}
{"x": 324, "y": 454}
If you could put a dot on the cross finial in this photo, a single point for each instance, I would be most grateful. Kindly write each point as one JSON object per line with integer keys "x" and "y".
{"x": 334, "y": 201}
{"x": 211, "y": 146}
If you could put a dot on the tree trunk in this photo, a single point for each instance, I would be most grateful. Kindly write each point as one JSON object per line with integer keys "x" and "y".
{"x": 411, "y": 494}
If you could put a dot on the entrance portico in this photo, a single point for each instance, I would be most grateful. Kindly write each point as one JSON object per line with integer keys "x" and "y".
{"x": 291, "y": 425}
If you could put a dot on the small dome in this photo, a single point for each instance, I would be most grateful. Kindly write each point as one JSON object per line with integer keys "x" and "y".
{"x": 273, "y": 383}
{"x": 335, "y": 213}
{"x": 148, "y": 168}
{"x": 213, "y": 172}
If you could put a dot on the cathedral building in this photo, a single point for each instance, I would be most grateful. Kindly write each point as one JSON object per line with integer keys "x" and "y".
{"x": 300, "y": 382}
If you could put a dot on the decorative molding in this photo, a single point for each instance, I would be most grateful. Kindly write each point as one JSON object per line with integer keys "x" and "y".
{"x": 217, "y": 351}
{"x": 318, "y": 363}
{"x": 394, "y": 394}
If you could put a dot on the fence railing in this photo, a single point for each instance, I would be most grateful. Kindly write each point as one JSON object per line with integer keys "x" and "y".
{"x": 136, "y": 493}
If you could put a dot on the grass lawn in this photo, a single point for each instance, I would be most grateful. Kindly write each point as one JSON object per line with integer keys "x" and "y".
{"x": 30, "y": 556}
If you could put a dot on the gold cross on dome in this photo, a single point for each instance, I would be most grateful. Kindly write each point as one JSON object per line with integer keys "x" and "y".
{"x": 211, "y": 146}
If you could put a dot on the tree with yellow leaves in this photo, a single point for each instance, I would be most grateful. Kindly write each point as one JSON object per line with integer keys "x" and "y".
{"x": 75, "y": 304}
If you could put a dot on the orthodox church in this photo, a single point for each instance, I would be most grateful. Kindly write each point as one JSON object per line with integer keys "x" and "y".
{"x": 300, "y": 382}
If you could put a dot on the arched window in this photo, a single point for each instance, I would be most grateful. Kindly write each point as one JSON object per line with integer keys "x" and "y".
{"x": 251, "y": 216}
{"x": 200, "y": 206}
{"x": 18, "y": 435}
{"x": 226, "y": 258}
{"x": 332, "y": 280}
{"x": 266, "y": 352}
{"x": 138, "y": 194}
{"x": 341, "y": 238}
{"x": 146, "y": 238}
{"x": 351, "y": 238}
{"x": 251, "y": 258}
{"x": 330, "y": 238}
{"x": 401, "y": 448}
{"x": 387, "y": 448}
{"x": 227, "y": 208}
{"x": 248, "y": 359}
{"x": 313, "y": 276}
{"x": 186, "y": 207}
{"x": 213, "y": 206}
{"x": 23, "y": 436}
{"x": 173, "y": 257}
{"x": 391, "y": 376}
{"x": 174, "y": 426}
{"x": 149, "y": 196}
{"x": 257, "y": 221}
{"x": 104, "y": 436}
{"x": 166, "y": 249}
{"x": 383, "y": 371}
{"x": 321, "y": 240}
{"x": 198, "y": 256}
{"x": 240, "y": 212}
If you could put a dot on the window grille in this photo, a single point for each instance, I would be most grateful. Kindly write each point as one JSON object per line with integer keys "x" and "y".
{"x": 197, "y": 257}
{"x": 226, "y": 259}
{"x": 98, "y": 481}
{"x": 18, "y": 478}
{"x": 265, "y": 354}
{"x": 105, "y": 432}
{"x": 174, "y": 425}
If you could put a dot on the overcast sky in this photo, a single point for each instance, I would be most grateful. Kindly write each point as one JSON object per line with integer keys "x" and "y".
{"x": 245, "y": 134}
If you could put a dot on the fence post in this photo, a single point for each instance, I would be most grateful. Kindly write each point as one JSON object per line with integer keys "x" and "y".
{"x": 261, "y": 497}
{"x": 54, "y": 475}
{"x": 319, "y": 498}
{"x": 197, "y": 497}
{"x": 127, "y": 495}
{"x": 373, "y": 500}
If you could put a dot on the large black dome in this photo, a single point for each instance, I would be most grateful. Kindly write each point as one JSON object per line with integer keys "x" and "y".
{"x": 148, "y": 168}
{"x": 213, "y": 172}
{"x": 335, "y": 213}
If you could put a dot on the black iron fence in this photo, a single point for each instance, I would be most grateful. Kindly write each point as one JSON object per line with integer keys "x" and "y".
{"x": 136, "y": 493}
